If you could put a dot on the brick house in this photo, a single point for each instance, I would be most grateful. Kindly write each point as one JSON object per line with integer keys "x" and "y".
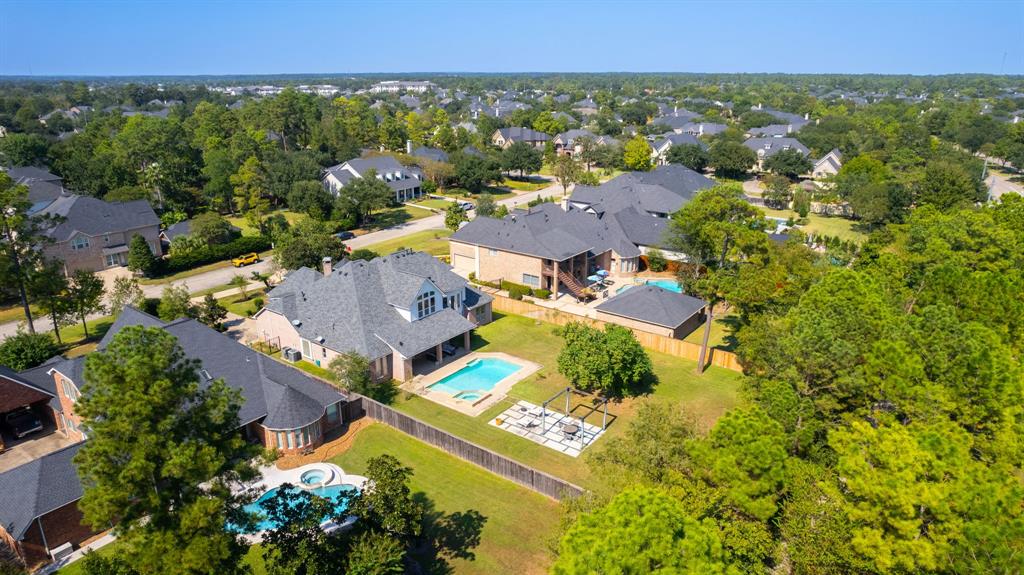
{"x": 393, "y": 310}
{"x": 505, "y": 137}
{"x": 93, "y": 234}
{"x": 283, "y": 408}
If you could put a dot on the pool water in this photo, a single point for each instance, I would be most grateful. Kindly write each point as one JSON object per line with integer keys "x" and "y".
{"x": 469, "y": 395}
{"x": 313, "y": 477}
{"x": 479, "y": 375}
{"x": 339, "y": 494}
{"x": 670, "y": 285}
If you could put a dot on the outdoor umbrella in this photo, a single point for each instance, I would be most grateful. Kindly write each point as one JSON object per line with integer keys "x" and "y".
{"x": 593, "y": 278}
{"x": 602, "y": 273}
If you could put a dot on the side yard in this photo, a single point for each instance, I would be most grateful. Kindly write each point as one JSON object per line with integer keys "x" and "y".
{"x": 434, "y": 242}
{"x": 818, "y": 224}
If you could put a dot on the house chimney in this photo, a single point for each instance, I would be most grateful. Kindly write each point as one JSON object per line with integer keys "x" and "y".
{"x": 408, "y": 147}
{"x": 327, "y": 266}
{"x": 675, "y": 110}
{"x": 789, "y": 129}
{"x": 807, "y": 115}
{"x": 700, "y": 130}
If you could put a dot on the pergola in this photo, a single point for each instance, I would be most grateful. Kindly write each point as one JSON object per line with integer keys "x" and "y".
{"x": 567, "y": 392}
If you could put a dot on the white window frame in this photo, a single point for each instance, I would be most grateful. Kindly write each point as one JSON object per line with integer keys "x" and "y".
{"x": 533, "y": 281}
{"x": 79, "y": 242}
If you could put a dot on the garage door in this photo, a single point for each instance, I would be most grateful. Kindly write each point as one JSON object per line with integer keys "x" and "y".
{"x": 464, "y": 263}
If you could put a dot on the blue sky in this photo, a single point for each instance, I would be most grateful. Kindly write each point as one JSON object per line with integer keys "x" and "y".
{"x": 42, "y": 37}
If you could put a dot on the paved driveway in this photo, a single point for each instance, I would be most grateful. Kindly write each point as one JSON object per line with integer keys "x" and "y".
{"x": 32, "y": 447}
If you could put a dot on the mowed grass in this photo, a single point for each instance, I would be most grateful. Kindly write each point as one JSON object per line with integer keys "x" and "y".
{"x": 242, "y": 223}
{"x": 246, "y": 306}
{"x": 818, "y": 224}
{"x": 517, "y": 523}
{"x": 527, "y": 185}
{"x": 721, "y": 336}
{"x": 706, "y": 396}
{"x": 434, "y": 203}
{"x": 434, "y": 242}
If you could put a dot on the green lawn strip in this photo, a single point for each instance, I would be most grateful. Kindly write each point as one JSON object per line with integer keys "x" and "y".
{"x": 17, "y": 313}
{"x": 246, "y": 306}
{"x": 247, "y": 230}
{"x": 707, "y": 397}
{"x": 434, "y": 203}
{"x": 721, "y": 333}
{"x": 817, "y": 224}
{"x": 531, "y": 185}
{"x": 518, "y": 522}
{"x": 433, "y": 242}
{"x": 497, "y": 193}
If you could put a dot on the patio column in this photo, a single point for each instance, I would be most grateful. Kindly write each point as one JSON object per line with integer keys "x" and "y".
{"x": 437, "y": 353}
{"x": 466, "y": 340}
{"x": 555, "y": 290}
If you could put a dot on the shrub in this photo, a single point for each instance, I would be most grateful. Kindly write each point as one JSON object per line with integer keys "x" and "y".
{"x": 24, "y": 350}
{"x": 656, "y": 260}
{"x": 516, "y": 292}
{"x": 509, "y": 286}
{"x": 257, "y": 303}
{"x": 363, "y": 254}
{"x": 542, "y": 293}
{"x": 150, "y": 305}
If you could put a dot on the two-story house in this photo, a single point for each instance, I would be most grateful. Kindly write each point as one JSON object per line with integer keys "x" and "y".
{"x": 662, "y": 144}
{"x": 768, "y": 147}
{"x": 505, "y": 137}
{"x": 92, "y": 234}
{"x": 406, "y": 182}
{"x": 393, "y": 310}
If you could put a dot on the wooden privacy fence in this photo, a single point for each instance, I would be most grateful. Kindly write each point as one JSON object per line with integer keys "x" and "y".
{"x": 659, "y": 343}
{"x": 526, "y": 476}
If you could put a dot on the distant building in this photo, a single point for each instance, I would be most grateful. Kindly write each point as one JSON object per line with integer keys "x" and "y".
{"x": 828, "y": 165}
{"x": 505, "y": 137}
{"x": 396, "y": 86}
{"x": 768, "y": 147}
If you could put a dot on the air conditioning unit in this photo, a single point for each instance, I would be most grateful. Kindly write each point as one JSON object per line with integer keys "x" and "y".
{"x": 292, "y": 355}
{"x": 61, "y": 551}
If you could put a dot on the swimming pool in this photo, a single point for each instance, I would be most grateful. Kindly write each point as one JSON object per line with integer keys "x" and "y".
{"x": 670, "y": 285}
{"x": 339, "y": 494}
{"x": 478, "y": 376}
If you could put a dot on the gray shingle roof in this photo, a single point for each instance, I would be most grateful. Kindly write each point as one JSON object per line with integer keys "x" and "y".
{"x": 523, "y": 135}
{"x": 663, "y": 190}
{"x": 768, "y": 147}
{"x": 382, "y": 165}
{"x": 38, "y": 487}
{"x": 40, "y": 377}
{"x": 653, "y": 305}
{"x": 287, "y": 397}
{"x": 430, "y": 154}
{"x": 91, "y": 216}
{"x": 774, "y": 130}
{"x": 549, "y": 232}
{"x": 674, "y": 139}
{"x": 354, "y": 308}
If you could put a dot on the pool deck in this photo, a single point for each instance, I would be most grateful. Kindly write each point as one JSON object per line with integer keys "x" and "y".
{"x": 420, "y": 385}
{"x": 545, "y": 427}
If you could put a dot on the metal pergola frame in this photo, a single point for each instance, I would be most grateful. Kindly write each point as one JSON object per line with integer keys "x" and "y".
{"x": 567, "y": 392}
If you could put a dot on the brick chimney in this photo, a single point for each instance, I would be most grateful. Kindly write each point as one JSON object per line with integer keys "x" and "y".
{"x": 327, "y": 266}
{"x": 408, "y": 147}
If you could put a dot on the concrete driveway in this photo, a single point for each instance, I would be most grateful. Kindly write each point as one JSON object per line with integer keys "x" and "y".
{"x": 33, "y": 447}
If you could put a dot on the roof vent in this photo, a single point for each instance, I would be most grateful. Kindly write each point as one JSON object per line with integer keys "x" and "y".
{"x": 207, "y": 375}
{"x": 296, "y": 322}
{"x": 320, "y": 339}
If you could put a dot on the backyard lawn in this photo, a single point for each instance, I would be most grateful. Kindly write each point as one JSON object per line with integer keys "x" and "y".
{"x": 517, "y": 523}
{"x": 527, "y": 185}
{"x": 434, "y": 242}
{"x": 246, "y": 306}
{"x": 818, "y": 224}
{"x": 241, "y": 223}
{"x": 707, "y": 397}
{"x": 721, "y": 333}
{"x": 435, "y": 203}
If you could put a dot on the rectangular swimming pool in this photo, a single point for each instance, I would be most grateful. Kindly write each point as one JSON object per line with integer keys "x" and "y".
{"x": 670, "y": 285}
{"x": 476, "y": 378}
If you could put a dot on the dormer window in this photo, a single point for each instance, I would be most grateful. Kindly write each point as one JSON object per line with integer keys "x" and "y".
{"x": 425, "y": 304}
{"x": 80, "y": 243}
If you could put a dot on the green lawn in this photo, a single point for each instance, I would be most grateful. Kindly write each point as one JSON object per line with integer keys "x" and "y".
{"x": 433, "y": 242}
{"x": 244, "y": 307}
{"x": 434, "y": 203}
{"x": 391, "y": 217}
{"x": 721, "y": 333}
{"x": 241, "y": 223}
{"x": 818, "y": 224}
{"x": 517, "y": 523}
{"x": 527, "y": 185}
{"x": 16, "y": 313}
{"x": 707, "y": 396}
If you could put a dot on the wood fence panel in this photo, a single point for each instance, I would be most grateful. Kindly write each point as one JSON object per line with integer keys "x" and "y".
{"x": 498, "y": 464}
{"x": 659, "y": 343}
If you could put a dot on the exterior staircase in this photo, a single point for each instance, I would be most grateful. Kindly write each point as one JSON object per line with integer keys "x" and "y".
{"x": 573, "y": 285}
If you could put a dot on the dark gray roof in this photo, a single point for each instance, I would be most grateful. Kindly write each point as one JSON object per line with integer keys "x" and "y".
{"x": 774, "y": 130}
{"x": 768, "y": 147}
{"x": 674, "y": 139}
{"x": 642, "y": 229}
{"x": 182, "y": 228}
{"x": 547, "y": 231}
{"x": 43, "y": 187}
{"x": 285, "y": 396}
{"x": 383, "y": 166}
{"x": 706, "y": 128}
{"x": 26, "y": 173}
{"x": 654, "y": 305}
{"x": 523, "y": 134}
{"x": 40, "y": 377}
{"x": 356, "y": 307}
{"x": 568, "y": 138}
{"x": 663, "y": 191}
{"x": 91, "y": 216}
{"x": 430, "y": 154}
{"x": 37, "y": 488}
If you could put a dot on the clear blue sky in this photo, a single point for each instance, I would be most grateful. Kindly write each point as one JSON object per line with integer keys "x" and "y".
{"x": 42, "y": 37}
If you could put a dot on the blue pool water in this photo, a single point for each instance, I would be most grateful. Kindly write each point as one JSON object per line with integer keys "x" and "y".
{"x": 479, "y": 375}
{"x": 670, "y": 285}
{"x": 337, "y": 493}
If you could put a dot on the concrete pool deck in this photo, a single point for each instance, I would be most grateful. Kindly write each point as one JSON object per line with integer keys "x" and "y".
{"x": 420, "y": 385}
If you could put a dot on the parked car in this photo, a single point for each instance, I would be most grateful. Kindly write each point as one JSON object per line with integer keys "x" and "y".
{"x": 466, "y": 206}
{"x": 23, "y": 421}
{"x": 246, "y": 259}
{"x": 344, "y": 235}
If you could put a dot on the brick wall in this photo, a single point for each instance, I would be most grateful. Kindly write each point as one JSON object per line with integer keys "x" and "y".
{"x": 63, "y": 525}
{"x": 91, "y": 258}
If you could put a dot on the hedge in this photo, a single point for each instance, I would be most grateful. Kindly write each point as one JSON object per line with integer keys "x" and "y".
{"x": 213, "y": 253}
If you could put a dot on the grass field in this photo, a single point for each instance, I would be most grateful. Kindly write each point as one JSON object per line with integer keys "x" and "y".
{"x": 241, "y": 223}
{"x": 434, "y": 203}
{"x": 243, "y": 306}
{"x": 706, "y": 396}
{"x": 528, "y": 185}
{"x": 16, "y": 313}
{"x": 516, "y": 522}
{"x": 818, "y": 224}
{"x": 721, "y": 333}
{"x": 433, "y": 242}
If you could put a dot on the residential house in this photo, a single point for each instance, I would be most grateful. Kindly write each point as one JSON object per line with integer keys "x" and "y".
{"x": 544, "y": 247}
{"x": 676, "y": 119}
{"x": 92, "y": 234}
{"x": 768, "y": 147}
{"x": 772, "y": 131}
{"x": 500, "y": 109}
{"x": 701, "y": 128}
{"x": 395, "y": 310}
{"x": 565, "y": 143}
{"x": 43, "y": 187}
{"x": 396, "y": 86}
{"x": 184, "y": 228}
{"x": 661, "y": 145}
{"x": 658, "y": 193}
{"x": 425, "y": 152}
{"x": 505, "y": 137}
{"x": 586, "y": 106}
{"x": 785, "y": 118}
{"x": 410, "y": 101}
{"x": 406, "y": 182}
{"x": 654, "y": 309}
{"x": 828, "y": 165}
{"x": 282, "y": 408}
